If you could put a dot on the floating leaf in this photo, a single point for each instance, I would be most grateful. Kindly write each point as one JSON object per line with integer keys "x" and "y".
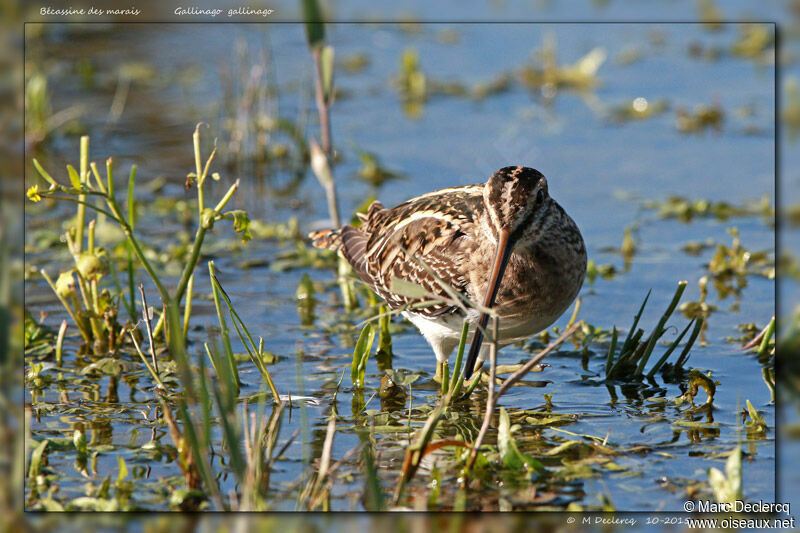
{"x": 756, "y": 424}
{"x": 509, "y": 453}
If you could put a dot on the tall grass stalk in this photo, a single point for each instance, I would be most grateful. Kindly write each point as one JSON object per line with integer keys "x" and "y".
{"x": 322, "y": 157}
{"x": 84, "y": 161}
{"x": 62, "y": 330}
{"x": 132, "y": 222}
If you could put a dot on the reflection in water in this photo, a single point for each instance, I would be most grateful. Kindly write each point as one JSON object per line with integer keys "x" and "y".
{"x": 699, "y": 430}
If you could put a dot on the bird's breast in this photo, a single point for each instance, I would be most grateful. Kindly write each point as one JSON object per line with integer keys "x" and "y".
{"x": 539, "y": 284}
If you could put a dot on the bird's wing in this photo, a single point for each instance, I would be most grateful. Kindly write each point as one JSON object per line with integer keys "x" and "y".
{"x": 422, "y": 241}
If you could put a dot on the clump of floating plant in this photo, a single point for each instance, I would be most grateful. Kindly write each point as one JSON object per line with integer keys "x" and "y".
{"x": 629, "y": 55}
{"x": 700, "y": 309}
{"x": 640, "y": 108}
{"x": 686, "y": 209}
{"x": 604, "y": 270}
{"x": 705, "y": 52}
{"x": 95, "y": 312}
{"x": 627, "y": 361}
{"x": 756, "y": 41}
{"x": 38, "y": 338}
{"x": 703, "y": 117}
{"x": 354, "y": 63}
{"x": 412, "y": 83}
{"x": 731, "y": 265}
{"x": 790, "y": 114}
{"x": 627, "y": 249}
{"x": 373, "y": 171}
{"x": 695, "y": 381}
{"x": 710, "y": 15}
{"x": 415, "y": 87}
{"x": 546, "y": 75}
{"x": 755, "y": 423}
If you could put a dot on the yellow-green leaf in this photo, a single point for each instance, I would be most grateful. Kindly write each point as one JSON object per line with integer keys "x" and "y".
{"x": 326, "y": 68}
{"x": 74, "y": 177}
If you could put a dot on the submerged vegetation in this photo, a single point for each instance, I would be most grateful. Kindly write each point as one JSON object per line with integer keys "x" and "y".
{"x": 221, "y": 413}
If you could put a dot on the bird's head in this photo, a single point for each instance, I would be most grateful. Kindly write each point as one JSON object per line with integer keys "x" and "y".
{"x": 514, "y": 198}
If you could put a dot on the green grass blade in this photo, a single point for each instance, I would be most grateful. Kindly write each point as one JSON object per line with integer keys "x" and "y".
{"x": 458, "y": 377}
{"x": 628, "y": 338}
{"x": 684, "y": 356}
{"x": 611, "y": 349}
{"x": 253, "y": 351}
{"x": 659, "y": 330}
{"x": 223, "y": 325}
{"x": 360, "y": 355}
{"x": 669, "y": 351}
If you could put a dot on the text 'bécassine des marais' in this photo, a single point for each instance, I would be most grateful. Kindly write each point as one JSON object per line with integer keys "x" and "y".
{"x": 94, "y": 11}
{"x": 180, "y": 11}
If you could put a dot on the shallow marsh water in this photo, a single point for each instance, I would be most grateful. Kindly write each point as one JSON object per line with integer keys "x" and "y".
{"x": 598, "y": 169}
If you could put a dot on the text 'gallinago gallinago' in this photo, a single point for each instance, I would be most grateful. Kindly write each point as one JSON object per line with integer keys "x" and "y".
{"x": 505, "y": 243}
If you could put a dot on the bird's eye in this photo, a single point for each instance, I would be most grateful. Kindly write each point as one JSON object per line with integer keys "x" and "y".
{"x": 540, "y": 196}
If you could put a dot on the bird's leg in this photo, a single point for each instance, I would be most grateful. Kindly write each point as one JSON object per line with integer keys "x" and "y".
{"x": 439, "y": 371}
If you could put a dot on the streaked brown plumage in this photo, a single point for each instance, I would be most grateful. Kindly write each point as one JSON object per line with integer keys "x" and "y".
{"x": 505, "y": 244}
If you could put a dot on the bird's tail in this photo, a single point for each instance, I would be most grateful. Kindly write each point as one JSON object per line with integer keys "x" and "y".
{"x": 330, "y": 239}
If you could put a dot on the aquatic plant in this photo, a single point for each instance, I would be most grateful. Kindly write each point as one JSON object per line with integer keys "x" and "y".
{"x": 628, "y": 362}
{"x": 95, "y": 314}
{"x": 321, "y": 156}
{"x": 546, "y": 75}
{"x": 688, "y": 209}
{"x": 702, "y": 118}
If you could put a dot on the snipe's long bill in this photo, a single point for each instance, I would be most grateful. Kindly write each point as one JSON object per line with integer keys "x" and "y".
{"x": 505, "y": 243}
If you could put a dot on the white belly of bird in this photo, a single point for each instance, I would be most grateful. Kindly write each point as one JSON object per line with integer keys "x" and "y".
{"x": 443, "y": 332}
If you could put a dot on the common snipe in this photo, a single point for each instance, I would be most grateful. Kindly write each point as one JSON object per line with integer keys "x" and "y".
{"x": 505, "y": 243}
